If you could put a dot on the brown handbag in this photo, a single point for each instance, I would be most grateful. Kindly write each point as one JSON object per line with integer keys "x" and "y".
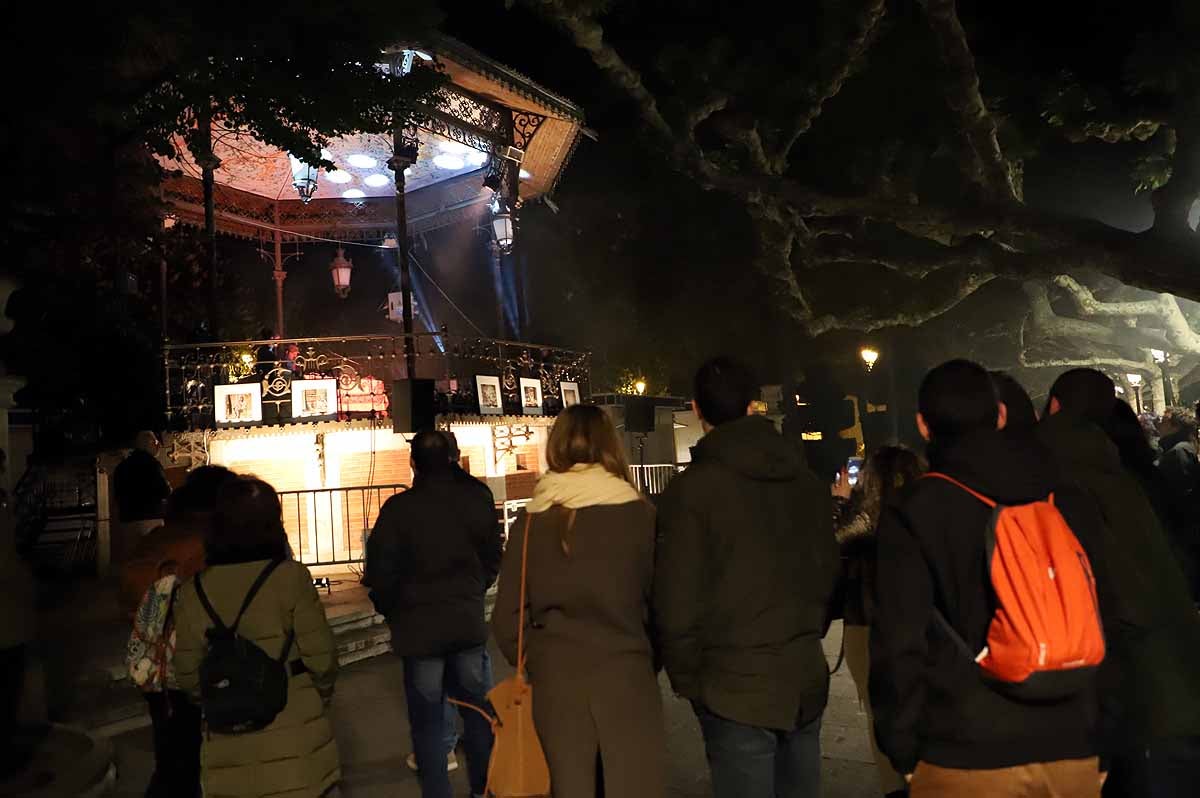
{"x": 518, "y": 766}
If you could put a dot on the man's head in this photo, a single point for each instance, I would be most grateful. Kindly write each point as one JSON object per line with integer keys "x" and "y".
{"x": 724, "y": 389}
{"x": 452, "y": 443}
{"x": 1178, "y": 422}
{"x": 958, "y": 398}
{"x": 146, "y": 441}
{"x": 430, "y": 453}
{"x": 1083, "y": 393}
{"x": 198, "y": 493}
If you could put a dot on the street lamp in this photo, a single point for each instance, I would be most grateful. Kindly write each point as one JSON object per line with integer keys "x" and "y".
{"x": 1159, "y": 355}
{"x": 869, "y": 356}
{"x": 1135, "y": 382}
{"x": 304, "y": 178}
{"x": 340, "y": 271}
{"x": 640, "y": 387}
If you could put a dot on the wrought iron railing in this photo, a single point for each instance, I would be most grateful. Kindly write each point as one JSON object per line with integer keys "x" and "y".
{"x": 364, "y": 368}
{"x": 330, "y": 526}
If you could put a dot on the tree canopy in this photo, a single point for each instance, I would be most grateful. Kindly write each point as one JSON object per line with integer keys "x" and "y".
{"x": 887, "y": 145}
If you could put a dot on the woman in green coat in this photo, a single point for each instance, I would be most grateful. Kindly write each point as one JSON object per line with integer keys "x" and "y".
{"x": 296, "y": 756}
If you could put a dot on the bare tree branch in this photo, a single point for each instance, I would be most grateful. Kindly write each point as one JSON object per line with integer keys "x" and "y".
{"x": 913, "y": 308}
{"x": 846, "y": 56}
{"x": 988, "y": 167}
{"x": 1179, "y": 333}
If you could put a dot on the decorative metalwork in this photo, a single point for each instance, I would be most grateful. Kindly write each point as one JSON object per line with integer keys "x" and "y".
{"x": 525, "y": 124}
{"x": 362, "y": 366}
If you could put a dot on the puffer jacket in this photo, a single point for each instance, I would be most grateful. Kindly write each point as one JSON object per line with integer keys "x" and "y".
{"x": 296, "y": 756}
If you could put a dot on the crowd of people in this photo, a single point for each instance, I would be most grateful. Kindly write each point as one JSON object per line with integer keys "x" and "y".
{"x": 730, "y": 583}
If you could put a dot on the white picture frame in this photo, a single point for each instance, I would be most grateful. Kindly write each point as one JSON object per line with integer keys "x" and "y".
{"x": 238, "y": 404}
{"x": 314, "y": 399}
{"x": 491, "y": 400}
{"x": 570, "y": 393}
{"x": 531, "y": 397}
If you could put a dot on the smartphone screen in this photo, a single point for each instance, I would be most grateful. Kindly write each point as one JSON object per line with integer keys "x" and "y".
{"x": 853, "y": 466}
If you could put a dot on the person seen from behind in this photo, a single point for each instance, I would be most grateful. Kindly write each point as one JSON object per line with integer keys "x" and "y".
{"x": 296, "y": 755}
{"x": 161, "y": 562}
{"x": 885, "y": 473}
{"x": 1180, "y": 472}
{"x": 941, "y": 719}
{"x": 140, "y": 485}
{"x": 588, "y": 588}
{"x": 744, "y": 574}
{"x": 434, "y": 551}
{"x": 1149, "y": 680}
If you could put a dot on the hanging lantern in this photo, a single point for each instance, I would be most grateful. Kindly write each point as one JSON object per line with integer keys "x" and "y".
{"x": 340, "y": 271}
{"x": 502, "y": 225}
{"x": 304, "y": 178}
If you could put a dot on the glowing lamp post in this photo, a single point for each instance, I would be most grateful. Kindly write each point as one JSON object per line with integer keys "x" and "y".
{"x": 1135, "y": 382}
{"x": 869, "y": 356}
{"x": 304, "y": 178}
{"x": 340, "y": 271}
{"x": 640, "y": 387}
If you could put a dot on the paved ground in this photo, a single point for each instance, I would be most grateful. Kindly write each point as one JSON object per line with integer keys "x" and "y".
{"x": 372, "y": 731}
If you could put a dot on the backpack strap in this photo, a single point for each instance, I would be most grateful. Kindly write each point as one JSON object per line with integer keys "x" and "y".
{"x": 939, "y": 475}
{"x": 250, "y": 594}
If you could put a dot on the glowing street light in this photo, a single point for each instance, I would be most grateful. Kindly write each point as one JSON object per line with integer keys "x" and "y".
{"x": 869, "y": 356}
{"x": 640, "y": 387}
{"x": 1134, "y": 379}
{"x": 340, "y": 271}
{"x": 1159, "y": 355}
{"x": 304, "y": 178}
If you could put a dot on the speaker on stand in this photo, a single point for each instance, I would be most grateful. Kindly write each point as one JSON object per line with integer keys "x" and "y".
{"x": 639, "y": 422}
{"x": 412, "y": 406}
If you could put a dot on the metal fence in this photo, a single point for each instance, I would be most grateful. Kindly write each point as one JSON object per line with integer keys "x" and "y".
{"x": 653, "y": 479}
{"x": 330, "y": 526}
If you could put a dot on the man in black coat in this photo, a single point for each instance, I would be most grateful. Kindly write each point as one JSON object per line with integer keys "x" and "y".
{"x": 1151, "y": 677}
{"x": 431, "y": 557}
{"x": 935, "y": 717}
{"x": 744, "y": 572}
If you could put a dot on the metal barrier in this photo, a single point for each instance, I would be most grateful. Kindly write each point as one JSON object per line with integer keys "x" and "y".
{"x": 330, "y": 526}
{"x": 653, "y": 479}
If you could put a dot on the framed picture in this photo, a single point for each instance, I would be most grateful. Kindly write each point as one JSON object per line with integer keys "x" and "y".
{"x": 490, "y": 402}
{"x": 570, "y": 393}
{"x": 314, "y": 399}
{"x": 531, "y": 396}
{"x": 238, "y": 404}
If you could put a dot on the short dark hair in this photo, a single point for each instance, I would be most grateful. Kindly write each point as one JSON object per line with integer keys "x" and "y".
{"x": 198, "y": 493}
{"x": 247, "y": 524}
{"x": 956, "y": 398}
{"x": 1086, "y": 394}
{"x": 430, "y": 452}
{"x": 724, "y": 389}
{"x": 452, "y": 444}
{"x": 1022, "y": 417}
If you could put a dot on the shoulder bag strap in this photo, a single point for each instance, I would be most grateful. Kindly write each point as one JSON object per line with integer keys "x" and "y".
{"x": 953, "y": 481}
{"x": 208, "y": 607}
{"x": 521, "y": 606}
{"x": 254, "y": 588}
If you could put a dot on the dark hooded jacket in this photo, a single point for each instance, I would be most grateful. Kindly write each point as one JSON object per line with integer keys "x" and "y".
{"x": 745, "y": 568}
{"x": 1152, "y": 630}
{"x": 930, "y": 701}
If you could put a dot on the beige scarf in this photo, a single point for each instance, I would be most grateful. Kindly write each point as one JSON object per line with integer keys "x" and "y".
{"x": 585, "y": 485}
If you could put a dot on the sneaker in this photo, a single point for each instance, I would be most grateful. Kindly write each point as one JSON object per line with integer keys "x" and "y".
{"x": 451, "y": 762}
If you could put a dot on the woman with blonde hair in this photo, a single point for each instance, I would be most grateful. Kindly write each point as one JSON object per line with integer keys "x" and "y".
{"x": 590, "y": 564}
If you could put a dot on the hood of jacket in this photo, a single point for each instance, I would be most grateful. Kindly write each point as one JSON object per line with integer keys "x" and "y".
{"x": 1009, "y": 469}
{"x": 1078, "y": 444}
{"x": 752, "y": 447}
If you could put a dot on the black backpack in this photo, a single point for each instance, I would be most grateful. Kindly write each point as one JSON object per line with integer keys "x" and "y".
{"x": 242, "y": 689}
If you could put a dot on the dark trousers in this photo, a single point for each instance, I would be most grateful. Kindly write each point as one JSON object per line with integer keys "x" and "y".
{"x": 752, "y": 762}
{"x": 13, "y": 755}
{"x": 465, "y": 676}
{"x": 1163, "y": 769}
{"x": 176, "y": 746}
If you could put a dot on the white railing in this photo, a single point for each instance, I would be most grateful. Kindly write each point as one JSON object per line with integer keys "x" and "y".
{"x": 653, "y": 479}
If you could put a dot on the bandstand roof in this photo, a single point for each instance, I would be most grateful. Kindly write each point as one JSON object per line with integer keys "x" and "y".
{"x": 484, "y": 108}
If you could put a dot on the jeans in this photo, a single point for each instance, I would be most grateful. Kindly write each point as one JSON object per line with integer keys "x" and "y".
{"x": 1164, "y": 769}
{"x": 465, "y": 676}
{"x": 752, "y": 762}
{"x": 177, "y": 739}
